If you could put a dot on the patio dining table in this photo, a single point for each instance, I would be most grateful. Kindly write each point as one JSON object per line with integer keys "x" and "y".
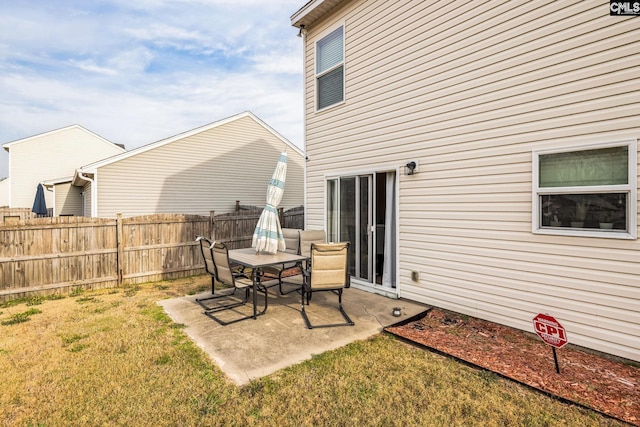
{"x": 256, "y": 261}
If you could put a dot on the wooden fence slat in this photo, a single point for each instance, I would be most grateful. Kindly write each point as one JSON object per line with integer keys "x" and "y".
{"x": 120, "y": 246}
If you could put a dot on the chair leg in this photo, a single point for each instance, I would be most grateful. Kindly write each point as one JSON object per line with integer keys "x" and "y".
{"x": 295, "y": 289}
{"x": 281, "y": 282}
{"x": 304, "y": 313}
{"x": 348, "y": 321}
{"x": 213, "y": 294}
{"x": 210, "y": 312}
{"x": 264, "y": 290}
{"x": 344, "y": 313}
{"x": 221, "y": 307}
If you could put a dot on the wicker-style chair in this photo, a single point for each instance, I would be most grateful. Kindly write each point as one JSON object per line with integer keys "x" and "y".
{"x": 328, "y": 272}
{"x": 217, "y": 260}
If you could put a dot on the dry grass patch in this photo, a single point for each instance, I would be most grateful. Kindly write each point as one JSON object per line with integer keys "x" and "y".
{"x": 113, "y": 357}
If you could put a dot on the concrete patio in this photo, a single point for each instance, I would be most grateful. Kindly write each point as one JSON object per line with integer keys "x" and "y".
{"x": 251, "y": 349}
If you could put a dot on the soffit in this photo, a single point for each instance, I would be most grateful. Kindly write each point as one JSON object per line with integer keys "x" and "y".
{"x": 312, "y": 11}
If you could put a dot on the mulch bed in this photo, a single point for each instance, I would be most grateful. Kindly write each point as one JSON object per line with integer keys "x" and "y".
{"x": 605, "y": 385}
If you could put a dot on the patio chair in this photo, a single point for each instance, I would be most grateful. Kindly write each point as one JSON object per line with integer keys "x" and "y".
{"x": 307, "y": 237}
{"x": 328, "y": 273}
{"x": 292, "y": 242}
{"x": 207, "y": 256}
{"x": 217, "y": 257}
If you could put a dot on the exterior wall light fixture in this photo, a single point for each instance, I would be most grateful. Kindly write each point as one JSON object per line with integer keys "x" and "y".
{"x": 411, "y": 168}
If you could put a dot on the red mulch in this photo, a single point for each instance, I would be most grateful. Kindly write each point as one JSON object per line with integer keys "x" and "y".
{"x": 608, "y": 386}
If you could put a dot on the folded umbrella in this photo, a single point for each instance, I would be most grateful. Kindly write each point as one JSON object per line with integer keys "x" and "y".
{"x": 267, "y": 236}
{"x": 39, "y": 203}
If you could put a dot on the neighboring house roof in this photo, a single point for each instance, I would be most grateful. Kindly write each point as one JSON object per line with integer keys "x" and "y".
{"x": 52, "y": 182}
{"x": 85, "y": 173}
{"x": 8, "y": 145}
{"x": 312, "y": 11}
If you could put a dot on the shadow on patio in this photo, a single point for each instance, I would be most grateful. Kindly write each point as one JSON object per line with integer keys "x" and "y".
{"x": 252, "y": 349}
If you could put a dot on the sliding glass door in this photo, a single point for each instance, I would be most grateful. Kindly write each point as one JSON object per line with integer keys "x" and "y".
{"x": 359, "y": 210}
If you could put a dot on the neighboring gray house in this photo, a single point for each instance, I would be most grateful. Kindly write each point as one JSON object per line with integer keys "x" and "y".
{"x": 481, "y": 157}
{"x": 48, "y": 156}
{"x": 195, "y": 172}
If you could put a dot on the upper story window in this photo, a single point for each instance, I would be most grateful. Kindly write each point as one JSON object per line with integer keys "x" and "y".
{"x": 330, "y": 69}
{"x": 588, "y": 191}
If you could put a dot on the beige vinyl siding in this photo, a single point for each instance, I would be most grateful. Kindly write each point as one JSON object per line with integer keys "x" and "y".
{"x": 68, "y": 200}
{"x": 49, "y": 156}
{"x": 206, "y": 171}
{"x": 470, "y": 92}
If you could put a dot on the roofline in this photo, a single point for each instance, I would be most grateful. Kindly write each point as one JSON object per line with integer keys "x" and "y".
{"x": 50, "y": 182}
{"x": 311, "y": 11}
{"x": 92, "y": 167}
{"x": 18, "y": 141}
{"x": 304, "y": 11}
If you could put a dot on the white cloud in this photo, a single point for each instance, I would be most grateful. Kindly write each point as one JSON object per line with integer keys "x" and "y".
{"x": 137, "y": 72}
{"x": 89, "y": 65}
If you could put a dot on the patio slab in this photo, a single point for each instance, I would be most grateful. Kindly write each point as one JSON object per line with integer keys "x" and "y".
{"x": 251, "y": 349}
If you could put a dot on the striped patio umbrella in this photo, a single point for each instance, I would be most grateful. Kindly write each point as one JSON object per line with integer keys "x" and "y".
{"x": 267, "y": 236}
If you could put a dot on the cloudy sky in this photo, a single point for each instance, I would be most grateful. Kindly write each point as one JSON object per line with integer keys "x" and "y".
{"x": 135, "y": 72}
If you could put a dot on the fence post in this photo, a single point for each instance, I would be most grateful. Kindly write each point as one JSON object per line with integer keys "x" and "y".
{"x": 281, "y": 216}
{"x": 212, "y": 225}
{"x": 120, "y": 244}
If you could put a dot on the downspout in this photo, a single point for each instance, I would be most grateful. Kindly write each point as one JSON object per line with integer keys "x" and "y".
{"x": 52, "y": 189}
{"x": 304, "y": 123}
{"x": 94, "y": 193}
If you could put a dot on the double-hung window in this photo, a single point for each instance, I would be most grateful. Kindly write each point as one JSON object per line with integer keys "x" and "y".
{"x": 586, "y": 191}
{"x": 330, "y": 69}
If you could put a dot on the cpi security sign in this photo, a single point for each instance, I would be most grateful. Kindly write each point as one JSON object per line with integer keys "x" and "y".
{"x": 550, "y": 330}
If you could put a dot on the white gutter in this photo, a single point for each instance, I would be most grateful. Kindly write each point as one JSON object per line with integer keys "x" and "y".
{"x": 50, "y": 188}
{"x": 94, "y": 193}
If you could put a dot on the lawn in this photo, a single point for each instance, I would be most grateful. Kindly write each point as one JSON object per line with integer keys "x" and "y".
{"x": 113, "y": 357}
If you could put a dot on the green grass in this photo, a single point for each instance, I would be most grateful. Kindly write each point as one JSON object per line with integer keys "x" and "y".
{"x": 113, "y": 357}
{"x": 20, "y": 317}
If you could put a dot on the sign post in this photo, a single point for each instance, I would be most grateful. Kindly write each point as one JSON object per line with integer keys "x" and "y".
{"x": 551, "y": 332}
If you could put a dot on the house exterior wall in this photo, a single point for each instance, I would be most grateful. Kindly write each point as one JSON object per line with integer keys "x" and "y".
{"x": 49, "y": 156}
{"x": 68, "y": 200}
{"x": 470, "y": 92}
{"x": 206, "y": 171}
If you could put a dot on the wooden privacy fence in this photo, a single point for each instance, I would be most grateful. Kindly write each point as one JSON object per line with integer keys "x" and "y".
{"x": 14, "y": 215}
{"x": 45, "y": 256}
{"x": 236, "y": 229}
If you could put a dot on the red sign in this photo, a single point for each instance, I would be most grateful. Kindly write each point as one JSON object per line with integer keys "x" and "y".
{"x": 550, "y": 330}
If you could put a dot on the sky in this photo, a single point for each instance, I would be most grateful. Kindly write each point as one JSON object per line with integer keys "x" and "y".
{"x": 135, "y": 72}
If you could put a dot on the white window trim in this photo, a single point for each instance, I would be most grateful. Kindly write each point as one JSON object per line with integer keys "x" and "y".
{"x": 631, "y": 188}
{"x": 316, "y": 75}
